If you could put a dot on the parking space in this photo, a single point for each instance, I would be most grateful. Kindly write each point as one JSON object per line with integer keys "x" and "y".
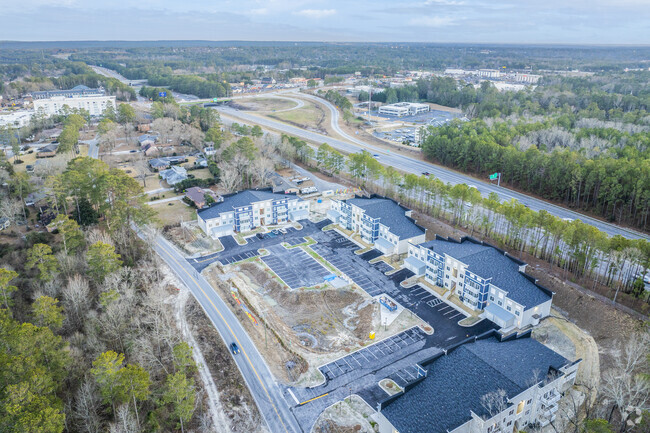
{"x": 295, "y": 267}
{"x": 228, "y": 242}
{"x": 372, "y": 254}
{"x": 295, "y": 241}
{"x": 238, "y": 257}
{"x": 378, "y": 354}
{"x": 406, "y": 376}
{"x": 382, "y": 267}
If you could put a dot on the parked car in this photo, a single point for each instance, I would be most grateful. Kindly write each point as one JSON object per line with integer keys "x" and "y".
{"x": 275, "y": 232}
{"x": 283, "y": 231}
{"x": 234, "y": 348}
{"x": 260, "y": 235}
{"x": 426, "y": 173}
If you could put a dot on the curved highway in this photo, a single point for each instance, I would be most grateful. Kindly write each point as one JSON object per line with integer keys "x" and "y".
{"x": 416, "y": 166}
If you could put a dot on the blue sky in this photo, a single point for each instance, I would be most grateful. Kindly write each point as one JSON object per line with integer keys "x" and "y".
{"x": 483, "y": 21}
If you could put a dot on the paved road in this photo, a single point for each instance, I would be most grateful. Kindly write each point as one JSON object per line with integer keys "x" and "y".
{"x": 258, "y": 377}
{"x": 413, "y": 165}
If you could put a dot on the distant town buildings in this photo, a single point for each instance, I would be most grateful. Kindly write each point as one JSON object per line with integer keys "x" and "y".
{"x": 15, "y": 119}
{"x": 52, "y": 102}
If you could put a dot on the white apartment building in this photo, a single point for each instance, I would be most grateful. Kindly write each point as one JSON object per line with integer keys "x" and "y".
{"x": 522, "y": 378}
{"x": 484, "y": 278}
{"x": 94, "y": 101}
{"x": 246, "y": 210}
{"x": 380, "y": 221}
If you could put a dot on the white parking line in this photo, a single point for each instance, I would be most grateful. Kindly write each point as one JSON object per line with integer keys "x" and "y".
{"x": 443, "y": 308}
{"x": 450, "y": 311}
{"x": 457, "y": 314}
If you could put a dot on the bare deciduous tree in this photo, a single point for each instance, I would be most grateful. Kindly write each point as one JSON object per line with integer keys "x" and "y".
{"x": 76, "y": 300}
{"x": 87, "y": 408}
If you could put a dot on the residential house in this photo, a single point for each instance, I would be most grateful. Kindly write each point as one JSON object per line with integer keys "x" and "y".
{"x": 174, "y": 175}
{"x": 488, "y": 386}
{"x": 159, "y": 164}
{"x": 284, "y": 186}
{"x": 145, "y": 139}
{"x": 246, "y": 210}
{"x": 47, "y": 151}
{"x": 209, "y": 151}
{"x": 484, "y": 278}
{"x": 198, "y": 196}
{"x": 380, "y": 221}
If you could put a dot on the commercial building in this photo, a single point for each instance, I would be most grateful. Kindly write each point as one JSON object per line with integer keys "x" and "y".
{"x": 484, "y": 278}
{"x": 246, "y": 210}
{"x": 488, "y": 386}
{"x": 380, "y": 221}
{"x": 94, "y": 101}
{"x": 402, "y": 109}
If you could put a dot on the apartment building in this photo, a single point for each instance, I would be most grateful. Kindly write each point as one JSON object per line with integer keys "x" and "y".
{"x": 380, "y": 221}
{"x": 94, "y": 101}
{"x": 484, "y": 278}
{"x": 246, "y": 210}
{"x": 489, "y": 386}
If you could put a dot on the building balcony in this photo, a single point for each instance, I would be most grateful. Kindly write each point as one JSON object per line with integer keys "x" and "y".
{"x": 553, "y": 397}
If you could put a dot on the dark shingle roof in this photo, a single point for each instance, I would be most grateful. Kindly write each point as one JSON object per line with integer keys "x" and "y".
{"x": 487, "y": 262}
{"x": 243, "y": 198}
{"x": 390, "y": 214}
{"x": 455, "y": 383}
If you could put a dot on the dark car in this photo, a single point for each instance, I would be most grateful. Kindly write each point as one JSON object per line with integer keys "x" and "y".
{"x": 234, "y": 348}
{"x": 133, "y": 151}
{"x": 425, "y": 173}
{"x": 260, "y": 235}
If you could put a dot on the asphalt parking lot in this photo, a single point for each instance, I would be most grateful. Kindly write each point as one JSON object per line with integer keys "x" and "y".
{"x": 377, "y": 355}
{"x": 295, "y": 267}
{"x": 295, "y": 241}
{"x": 372, "y": 254}
{"x": 234, "y": 252}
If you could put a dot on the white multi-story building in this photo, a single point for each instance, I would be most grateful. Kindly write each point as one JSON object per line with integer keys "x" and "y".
{"x": 246, "y": 210}
{"x": 488, "y": 386}
{"x": 94, "y": 101}
{"x": 527, "y": 78}
{"x": 15, "y": 119}
{"x": 380, "y": 221}
{"x": 484, "y": 278}
{"x": 402, "y": 109}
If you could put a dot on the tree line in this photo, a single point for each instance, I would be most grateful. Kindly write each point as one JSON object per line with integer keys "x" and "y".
{"x": 616, "y": 188}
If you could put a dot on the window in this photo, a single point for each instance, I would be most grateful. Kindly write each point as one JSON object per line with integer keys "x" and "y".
{"x": 529, "y": 401}
{"x": 508, "y": 308}
{"x": 499, "y": 302}
{"x": 509, "y": 423}
{"x": 511, "y": 412}
{"x": 517, "y": 312}
{"x": 491, "y": 298}
{"x": 447, "y": 267}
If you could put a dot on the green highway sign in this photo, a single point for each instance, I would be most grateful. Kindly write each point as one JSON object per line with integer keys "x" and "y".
{"x": 215, "y": 100}
{"x": 494, "y": 176}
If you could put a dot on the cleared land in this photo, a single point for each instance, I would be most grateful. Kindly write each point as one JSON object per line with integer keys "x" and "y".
{"x": 264, "y": 104}
{"x": 171, "y": 213}
{"x": 311, "y": 116}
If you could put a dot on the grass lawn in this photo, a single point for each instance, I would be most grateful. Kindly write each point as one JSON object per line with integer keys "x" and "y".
{"x": 172, "y": 213}
{"x": 266, "y": 104}
{"x": 201, "y": 173}
{"x": 310, "y": 115}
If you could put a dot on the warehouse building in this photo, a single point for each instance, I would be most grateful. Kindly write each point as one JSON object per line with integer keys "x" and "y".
{"x": 402, "y": 109}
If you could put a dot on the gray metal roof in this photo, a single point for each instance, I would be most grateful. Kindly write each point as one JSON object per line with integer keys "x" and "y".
{"x": 240, "y": 199}
{"x": 390, "y": 214}
{"x": 455, "y": 383}
{"x": 487, "y": 262}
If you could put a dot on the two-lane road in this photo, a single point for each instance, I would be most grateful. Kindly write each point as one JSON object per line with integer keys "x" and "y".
{"x": 268, "y": 396}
